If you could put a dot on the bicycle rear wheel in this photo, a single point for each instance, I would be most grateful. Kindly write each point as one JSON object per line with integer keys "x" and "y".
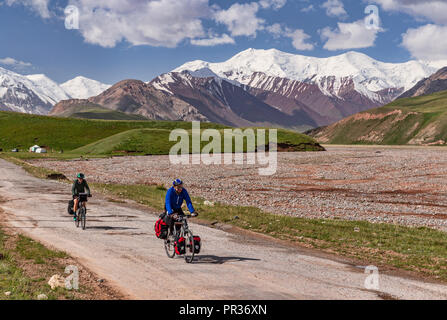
{"x": 189, "y": 250}
{"x": 83, "y": 218}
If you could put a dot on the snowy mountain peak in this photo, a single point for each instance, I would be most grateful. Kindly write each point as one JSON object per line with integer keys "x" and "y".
{"x": 83, "y": 88}
{"x": 368, "y": 75}
{"x": 37, "y": 93}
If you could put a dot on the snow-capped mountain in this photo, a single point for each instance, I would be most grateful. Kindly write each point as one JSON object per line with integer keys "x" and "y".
{"x": 37, "y": 93}
{"x": 327, "y": 89}
{"x": 83, "y": 88}
{"x": 28, "y": 94}
{"x": 257, "y": 68}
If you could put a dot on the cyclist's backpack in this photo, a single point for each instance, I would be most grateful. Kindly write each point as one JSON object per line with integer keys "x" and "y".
{"x": 70, "y": 207}
{"x": 161, "y": 229}
{"x": 180, "y": 246}
{"x": 197, "y": 244}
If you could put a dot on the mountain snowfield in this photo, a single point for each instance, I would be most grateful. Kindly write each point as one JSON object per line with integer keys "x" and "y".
{"x": 37, "y": 93}
{"x": 83, "y": 88}
{"x": 257, "y": 68}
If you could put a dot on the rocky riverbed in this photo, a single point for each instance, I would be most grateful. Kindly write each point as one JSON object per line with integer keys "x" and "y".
{"x": 379, "y": 184}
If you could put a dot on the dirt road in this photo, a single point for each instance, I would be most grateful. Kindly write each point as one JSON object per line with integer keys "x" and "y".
{"x": 120, "y": 246}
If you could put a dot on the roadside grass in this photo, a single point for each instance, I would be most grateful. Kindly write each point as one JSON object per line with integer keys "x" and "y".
{"x": 25, "y": 268}
{"x": 419, "y": 249}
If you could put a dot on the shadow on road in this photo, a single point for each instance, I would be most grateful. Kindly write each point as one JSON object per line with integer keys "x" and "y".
{"x": 110, "y": 228}
{"x": 220, "y": 260}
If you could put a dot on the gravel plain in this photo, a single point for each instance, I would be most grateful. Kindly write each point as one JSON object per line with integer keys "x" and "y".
{"x": 407, "y": 186}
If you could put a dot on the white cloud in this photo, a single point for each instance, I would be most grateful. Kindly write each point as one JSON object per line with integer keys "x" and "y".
{"x": 276, "y": 30}
{"x": 334, "y": 8}
{"x": 156, "y": 23}
{"x": 433, "y": 10}
{"x": 213, "y": 41}
{"x": 353, "y": 35}
{"x": 39, "y": 6}
{"x": 428, "y": 42}
{"x": 308, "y": 8}
{"x": 241, "y": 19}
{"x": 274, "y": 4}
{"x": 298, "y": 36}
{"x": 14, "y": 63}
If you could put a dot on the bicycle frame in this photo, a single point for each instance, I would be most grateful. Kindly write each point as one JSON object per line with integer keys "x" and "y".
{"x": 184, "y": 226}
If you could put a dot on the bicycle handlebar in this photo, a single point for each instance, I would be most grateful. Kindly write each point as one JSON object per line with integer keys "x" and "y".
{"x": 84, "y": 194}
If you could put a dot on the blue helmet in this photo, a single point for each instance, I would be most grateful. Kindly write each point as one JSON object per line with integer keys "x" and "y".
{"x": 177, "y": 182}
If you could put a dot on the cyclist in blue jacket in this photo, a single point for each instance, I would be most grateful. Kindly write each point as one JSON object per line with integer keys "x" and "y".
{"x": 174, "y": 200}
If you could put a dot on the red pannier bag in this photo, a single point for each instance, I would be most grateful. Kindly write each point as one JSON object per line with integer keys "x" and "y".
{"x": 161, "y": 229}
{"x": 197, "y": 244}
{"x": 180, "y": 246}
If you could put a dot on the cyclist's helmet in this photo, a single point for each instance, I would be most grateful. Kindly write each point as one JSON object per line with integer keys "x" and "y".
{"x": 177, "y": 182}
{"x": 80, "y": 176}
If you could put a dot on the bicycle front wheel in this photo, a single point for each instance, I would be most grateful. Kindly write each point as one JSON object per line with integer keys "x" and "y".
{"x": 77, "y": 215}
{"x": 189, "y": 250}
{"x": 169, "y": 246}
{"x": 83, "y": 218}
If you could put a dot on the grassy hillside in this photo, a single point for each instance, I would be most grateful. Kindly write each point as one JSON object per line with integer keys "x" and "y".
{"x": 418, "y": 121}
{"x": 156, "y": 141}
{"x": 101, "y": 137}
{"x": 93, "y": 111}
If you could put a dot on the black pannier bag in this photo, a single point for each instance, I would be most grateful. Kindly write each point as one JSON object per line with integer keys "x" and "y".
{"x": 70, "y": 207}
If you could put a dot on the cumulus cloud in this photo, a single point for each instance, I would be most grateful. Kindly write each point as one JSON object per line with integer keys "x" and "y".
{"x": 241, "y": 19}
{"x": 299, "y": 40}
{"x": 14, "y": 63}
{"x": 213, "y": 41}
{"x": 155, "y": 23}
{"x": 433, "y": 10}
{"x": 309, "y": 8}
{"x": 298, "y": 36}
{"x": 164, "y": 23}
{"x": 274, "y": 4}
{"x": 39, "y": 6}
{"x": 428, "y": 42}
{"x": 276, "y": 30}
{"x": 349, "y": 36}
{"x": 334, "y": 8}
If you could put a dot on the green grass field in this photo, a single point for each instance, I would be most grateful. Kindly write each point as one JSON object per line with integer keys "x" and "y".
{"x": 106, "y": 137}
{"x": 423, "y": 120}
{"x": 93, "y": 111}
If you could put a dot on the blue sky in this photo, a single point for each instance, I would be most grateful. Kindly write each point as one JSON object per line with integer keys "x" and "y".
{"x": 140, "y": 39}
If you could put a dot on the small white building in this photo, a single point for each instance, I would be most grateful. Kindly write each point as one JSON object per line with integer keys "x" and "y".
{"x": 33, "y": 148}
{"x": 41, "y": 150}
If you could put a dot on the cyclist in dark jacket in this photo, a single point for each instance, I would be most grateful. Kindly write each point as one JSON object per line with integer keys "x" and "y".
{"x": 174, "y": 200}
{"x": 80, "y": 185}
